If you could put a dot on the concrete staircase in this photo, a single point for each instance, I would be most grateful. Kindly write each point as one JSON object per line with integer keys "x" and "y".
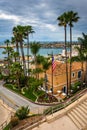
{"x": 79, "y": 115}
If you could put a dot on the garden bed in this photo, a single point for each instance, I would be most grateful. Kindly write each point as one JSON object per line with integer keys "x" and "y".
{"x": 46, "y": 98}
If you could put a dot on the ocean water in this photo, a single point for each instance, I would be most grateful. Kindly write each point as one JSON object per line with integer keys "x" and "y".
{"x": 42, "y": 51}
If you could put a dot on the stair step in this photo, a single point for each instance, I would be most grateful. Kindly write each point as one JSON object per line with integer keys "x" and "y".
{"x": 83, "y": 121}
{"x": 84, "y": 110}
{"x": 83, "y": 106}
{"x": 85, "y": 103}
{"x": 78, "y": 119}
{"x": 81, "y": 112}
{"x": 74, "y": 120}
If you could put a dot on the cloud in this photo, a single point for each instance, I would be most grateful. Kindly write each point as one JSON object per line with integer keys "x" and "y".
{"x": 6, "y": 16}
{"x": 42, "y": 15}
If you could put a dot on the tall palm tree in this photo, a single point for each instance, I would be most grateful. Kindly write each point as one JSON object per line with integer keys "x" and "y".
{"x": 15, "y": 56}
{"x": 63, "y": 21}
{"x": 16, "y": 72}
{"x": 28, "y": 30}
{"x": 20, "y": 35}
{"x": 8, "y": 51}
{"x": 83, "y": 42}
{"x": 72, "y": 18}
{"x": 15, "y": 39}
{"x": 35, "y": 47}
{"x": 79, "y": 58}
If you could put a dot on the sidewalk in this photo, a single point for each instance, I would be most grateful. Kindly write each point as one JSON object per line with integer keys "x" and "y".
{"x": 5, "y": 112}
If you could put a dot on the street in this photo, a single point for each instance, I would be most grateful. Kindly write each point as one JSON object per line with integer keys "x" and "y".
{"x": 14, "y": 100}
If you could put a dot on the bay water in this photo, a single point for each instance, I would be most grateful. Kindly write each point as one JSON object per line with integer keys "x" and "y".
{"x": 42, "y": 51}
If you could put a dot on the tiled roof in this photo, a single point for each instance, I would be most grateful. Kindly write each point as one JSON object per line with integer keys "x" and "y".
{"x": 61, "y": 68}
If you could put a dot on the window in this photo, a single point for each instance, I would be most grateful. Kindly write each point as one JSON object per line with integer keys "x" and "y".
{"x": 73, "y": 74}
{"x": 79, "y": 74}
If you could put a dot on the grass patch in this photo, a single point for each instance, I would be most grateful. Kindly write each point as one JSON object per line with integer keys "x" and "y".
{"x": 28, "y": 93}
{"x": 39, "y": 93}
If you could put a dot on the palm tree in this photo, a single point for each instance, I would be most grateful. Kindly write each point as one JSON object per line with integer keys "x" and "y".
{"x": 72, "y": 18}
{"x": 83, "y": 42}
{"x": 19, "y": 33}
{"x": 15, "y": 39}
{"x": 63, "y": 21}
{"x": 35, "y": 47}
{"x": 28, "y": 30}
{"x": 36, "y": 72}
{"x": 8, "y": 51}
{"x": 16, "y": 72}
{"x": 79, "y": 58}
{"x": 15, "y": 56}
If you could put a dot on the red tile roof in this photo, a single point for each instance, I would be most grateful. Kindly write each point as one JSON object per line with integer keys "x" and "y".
{"x": 61, "y": 68}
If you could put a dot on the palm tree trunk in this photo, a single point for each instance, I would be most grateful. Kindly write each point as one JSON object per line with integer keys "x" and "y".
{"x": 45, "y": 81}
{"x": 23, "y": 57}
{"x": 17, "y": 49}
{"x": 86, "y": 74}
{"x": 82, "y": 74}
{"x": 66, "y": 60}
{"x": 70, "y": 56}
{"x": 28, "y": 54}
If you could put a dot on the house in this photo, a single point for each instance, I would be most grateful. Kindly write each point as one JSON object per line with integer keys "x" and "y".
{"x": 59, "y": 76}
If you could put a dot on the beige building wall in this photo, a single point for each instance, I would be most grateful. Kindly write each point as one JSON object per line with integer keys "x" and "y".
{"x": 59, "y": 77}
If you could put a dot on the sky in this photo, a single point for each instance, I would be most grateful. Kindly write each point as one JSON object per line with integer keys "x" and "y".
{"x": 42, "y": 16}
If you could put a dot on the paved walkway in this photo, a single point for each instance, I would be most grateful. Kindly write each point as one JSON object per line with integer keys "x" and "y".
{"x": 64, "y": 123}
{"x": 4, "y": 113}
{"x": 15, "y": 101}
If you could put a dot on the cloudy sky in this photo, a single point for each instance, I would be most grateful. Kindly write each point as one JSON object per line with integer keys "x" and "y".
{"x": 42, "y": 15}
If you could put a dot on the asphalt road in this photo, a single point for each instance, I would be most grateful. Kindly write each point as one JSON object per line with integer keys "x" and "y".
{"x": 14, "y": 100}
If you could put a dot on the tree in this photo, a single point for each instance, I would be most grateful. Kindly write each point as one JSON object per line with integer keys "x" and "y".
{"x": 72, "y": 18}
{"x": 79, "y": 58}
{"x": 19, "y": 33}
{"x": 8, "y": 51}
{"x": 15, "y": 56}
{"x": 83, "y": 42}
{"x": 63, "y": 21}
{"x": 16, "y": 72}
{"x": 36, "y": 72}
{"x": 35, "y": 47}
{"x": 15, "y": 39}
{"x": 28, "y": 30}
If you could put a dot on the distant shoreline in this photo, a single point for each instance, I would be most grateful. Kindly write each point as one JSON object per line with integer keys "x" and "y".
{"x": 47, "y": 45}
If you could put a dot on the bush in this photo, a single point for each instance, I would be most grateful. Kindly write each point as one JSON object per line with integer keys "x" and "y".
{"x": 14, "y": 121}
{"x": 1, "y": 76}
{"x": 22, "y": 112}
{"x": 75, "y": 86}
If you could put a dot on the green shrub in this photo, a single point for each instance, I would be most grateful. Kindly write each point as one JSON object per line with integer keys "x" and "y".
{"x": 22, "y": 112}
{"x": 75, "y": 86}
{"x": 1, "y": 76}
